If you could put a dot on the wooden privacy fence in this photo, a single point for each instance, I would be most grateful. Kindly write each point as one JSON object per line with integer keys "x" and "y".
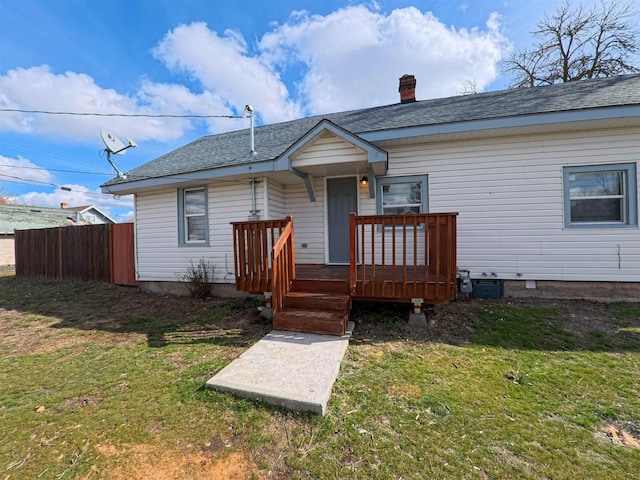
{"x": 100, "y": 253}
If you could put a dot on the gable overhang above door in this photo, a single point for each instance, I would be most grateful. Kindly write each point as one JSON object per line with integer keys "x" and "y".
{"x": 372, "y": 161}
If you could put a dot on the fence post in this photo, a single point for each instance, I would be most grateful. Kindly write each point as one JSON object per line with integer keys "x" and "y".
{"x": 60, "y": 253}
{"x": 111, "y": 256}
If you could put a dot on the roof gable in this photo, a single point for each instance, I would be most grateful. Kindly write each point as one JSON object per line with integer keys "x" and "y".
{"x": 94, "y": 211}
{"x": 374, "y": 154}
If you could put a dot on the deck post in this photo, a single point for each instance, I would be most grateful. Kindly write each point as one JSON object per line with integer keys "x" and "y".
{"x": 267, "y": 311}
{"x": 417, "y": 318}
{"x": 353, "y": 257}
{"x": 417, "y": 304}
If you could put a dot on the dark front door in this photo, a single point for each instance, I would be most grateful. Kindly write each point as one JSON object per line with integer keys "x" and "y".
{"x": 342, "y": 199}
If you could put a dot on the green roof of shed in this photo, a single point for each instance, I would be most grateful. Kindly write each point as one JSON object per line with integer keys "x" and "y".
{"x": 21, "y": 217}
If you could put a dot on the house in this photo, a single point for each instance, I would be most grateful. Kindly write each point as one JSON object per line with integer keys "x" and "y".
{"x": 544, "y": 182}
{"x": 24, "y": 217}
{"x": 90, "y": 214}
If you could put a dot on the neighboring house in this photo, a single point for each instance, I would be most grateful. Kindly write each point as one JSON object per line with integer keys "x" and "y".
{"x": 23, "y": 217}
{"x": 91, "y": 214}
{"x": 544, "y": 181}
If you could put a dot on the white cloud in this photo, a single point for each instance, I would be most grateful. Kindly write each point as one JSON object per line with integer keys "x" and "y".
{"x": 79, "y": 195}
{"x": 23, "y": 169}
{"x": 126, "y": 216}
{"x": 224, "y": 65}
{"x": 38, "y": 88}
{"x": 350, "y": 58}
{"x": 354, "y": 56}
{"x": 178, "y": 99}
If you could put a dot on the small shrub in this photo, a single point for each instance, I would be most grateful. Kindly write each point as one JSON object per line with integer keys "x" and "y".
{"x": 198, "y": 278}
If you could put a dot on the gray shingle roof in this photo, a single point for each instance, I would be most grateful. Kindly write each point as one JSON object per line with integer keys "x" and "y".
{"x": 272, "y": 140}
{"x": 20, "y": 217}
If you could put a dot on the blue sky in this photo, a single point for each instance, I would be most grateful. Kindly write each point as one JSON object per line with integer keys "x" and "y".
{"x": 206, "y": 57}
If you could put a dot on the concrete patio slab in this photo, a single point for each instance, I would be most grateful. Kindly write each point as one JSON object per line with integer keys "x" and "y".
{"x": 292, "y": 370}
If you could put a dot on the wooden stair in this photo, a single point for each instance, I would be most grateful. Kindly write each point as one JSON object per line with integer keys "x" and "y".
{"x": 315, "y": 306}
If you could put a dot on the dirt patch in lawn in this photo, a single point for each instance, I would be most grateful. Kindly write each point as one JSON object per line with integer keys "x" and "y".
{"x": 140, "y": 462}
{"x": 623, "y": 434}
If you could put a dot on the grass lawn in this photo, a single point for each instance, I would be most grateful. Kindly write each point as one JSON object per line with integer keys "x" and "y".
{"x": 98, "y": 381}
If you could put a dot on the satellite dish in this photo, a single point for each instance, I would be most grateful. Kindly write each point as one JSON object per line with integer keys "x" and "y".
{"x": 115, "y": 145}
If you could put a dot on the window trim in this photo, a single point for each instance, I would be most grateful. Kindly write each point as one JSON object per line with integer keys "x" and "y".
{"x": 182, "y": 219}
{"x": 630, "y": 197}
{"x": 423, "y": 179}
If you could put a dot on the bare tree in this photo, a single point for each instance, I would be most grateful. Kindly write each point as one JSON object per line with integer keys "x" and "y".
{"x": 468, "y": 87}
{"x": 7, "y": 197}
{"x": 575, "y": 44}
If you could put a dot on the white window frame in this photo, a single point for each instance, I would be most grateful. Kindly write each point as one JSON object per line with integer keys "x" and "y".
{"x": 629, "y": 195}
{"x": 424, "y": 192}
{"x": 183, "y": 224}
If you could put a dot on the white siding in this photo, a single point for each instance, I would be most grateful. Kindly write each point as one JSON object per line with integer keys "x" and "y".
{"x": 308, "y": 221}
{"x": 275, "y": 204}
{"x": 326, "y": 150}
{"x": 508, "y": 192}
{"x": 309, "y": 217}
{"x": 159, "y": 255}
{"x": 509, "y": 195}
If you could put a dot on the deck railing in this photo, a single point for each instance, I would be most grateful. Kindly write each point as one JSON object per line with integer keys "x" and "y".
{"x": 284, "y": 267}
{"x": 400, "y": 257}
{"x": 392, "y": 257}
{"x": 253, "y": 243}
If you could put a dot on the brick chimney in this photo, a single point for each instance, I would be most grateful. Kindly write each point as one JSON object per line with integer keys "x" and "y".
{"x": 63, "y": 205}
{"x": 3, "y": 201}
{"x": 407, "y": 89}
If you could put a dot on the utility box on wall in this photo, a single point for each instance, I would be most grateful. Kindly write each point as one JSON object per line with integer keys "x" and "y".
{"x": 487, "y": 289}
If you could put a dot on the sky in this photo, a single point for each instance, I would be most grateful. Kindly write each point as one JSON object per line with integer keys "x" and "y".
{"x": 286, "y": 58}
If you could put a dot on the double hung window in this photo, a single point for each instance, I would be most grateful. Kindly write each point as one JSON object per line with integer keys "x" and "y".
{"x": 192, "y": 208}
{"x": 402, "y": 195}
{"x": 600, "y": 195}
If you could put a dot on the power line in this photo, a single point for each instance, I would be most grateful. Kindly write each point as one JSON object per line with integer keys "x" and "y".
{"x": 56, "y": 170}
{"x": 38, "y": 154}
{"x": 94, "y": 114}
{"x": 27, "y": 181}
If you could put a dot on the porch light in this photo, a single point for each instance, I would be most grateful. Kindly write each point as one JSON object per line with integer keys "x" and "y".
{"x": 364, "y": 181}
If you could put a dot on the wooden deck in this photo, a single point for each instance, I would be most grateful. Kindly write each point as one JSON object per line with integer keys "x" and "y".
{"x": 379, "y": 282}
{"x": 394, "y": 258}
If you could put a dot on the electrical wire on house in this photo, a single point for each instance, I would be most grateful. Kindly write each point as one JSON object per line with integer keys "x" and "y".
{"x": 44, "y": 154}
